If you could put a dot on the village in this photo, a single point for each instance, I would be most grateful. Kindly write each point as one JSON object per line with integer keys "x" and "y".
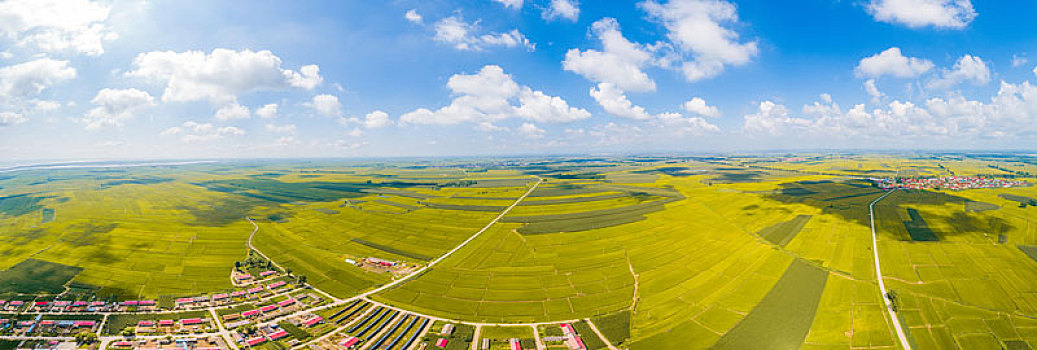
{"x": 946, "y": 182}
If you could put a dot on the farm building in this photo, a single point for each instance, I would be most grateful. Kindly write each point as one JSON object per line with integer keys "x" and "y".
{"x": 313, "y": 321}
{"x": 448, "y": 329}
{"x": 250, "y": 313}
{"x": 286, "y": 302}
{"x": 349, "y": 343}
{"x": 515, "y": 344}
{"x": 268, "y": 308}
{"x": 442, "y": 342}
{"x": 267, "y": 273}
{"x": 380, "y": 262}
{"x": 278, "y": 335}
{"x": 191, "y": 321}
{"x": 255, "y": 341}
{"x": 277, "y": 284}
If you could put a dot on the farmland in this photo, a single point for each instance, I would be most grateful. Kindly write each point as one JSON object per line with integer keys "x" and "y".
{"x": 738, "y": 252}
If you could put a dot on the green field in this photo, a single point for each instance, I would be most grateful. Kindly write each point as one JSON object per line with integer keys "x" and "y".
{"x": 659, "y": 252}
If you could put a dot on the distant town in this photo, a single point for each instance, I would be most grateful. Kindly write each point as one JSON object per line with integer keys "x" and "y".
{"x": 946, "y": 182}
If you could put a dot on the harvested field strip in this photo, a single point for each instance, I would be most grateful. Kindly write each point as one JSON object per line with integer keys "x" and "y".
{"x": 783, "y": 232}
{"x": 974, "y": 206}
{"x": 395, "y": 204}
{"x": 573, "y": 199}
{"x": 855, "y": 195}
{"x": 1030, "y": 251}
{"x": 918, "y": 229}
{"x": 489, "y": 208}
{"x": 401, "y": 193}
{"x": 641, "y": 208}
{"x": 565, "y": 190}
{"x": 392, "y": 250}
{"x": 1016, "y": 198}
{"x": 783, "y": 318}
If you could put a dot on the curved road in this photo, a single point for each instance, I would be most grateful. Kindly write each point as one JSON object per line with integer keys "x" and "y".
{"x": 878, "y": 275}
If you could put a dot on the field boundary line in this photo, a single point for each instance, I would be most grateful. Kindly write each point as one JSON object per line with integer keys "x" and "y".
{"x": 878, "y": 274}
{"x": 422, "y": 270}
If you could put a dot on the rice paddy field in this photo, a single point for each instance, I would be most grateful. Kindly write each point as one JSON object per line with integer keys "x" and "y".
{"x": 659, "y": 253}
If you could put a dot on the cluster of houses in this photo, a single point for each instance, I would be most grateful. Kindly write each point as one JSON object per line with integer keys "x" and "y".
{"x": 78, "y": 306}
{"x": 194, "y": 343}
{"x": 245, "y": 278}
{"x": 227, "y": 298}
{"x": 173, "y": 326}
{"x": 947, "y": 182}
{"x": 266, "y": 333}
{"x": 48, "y": 327}
{"x": 261, "y": 313}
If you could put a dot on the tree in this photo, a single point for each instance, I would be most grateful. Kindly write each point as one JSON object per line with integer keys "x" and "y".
{"x": 86, "y": 338}
{"x": 301, "y": 279}
{"x": 128, "y": 332}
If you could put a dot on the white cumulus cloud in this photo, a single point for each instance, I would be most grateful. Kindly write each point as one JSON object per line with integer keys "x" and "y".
{"x": 698, "y": 30}
{"x": 232, "y": 111}
{"x": 620, "y": 63}
{"x": 513, "y": 4}
{"x": 31, "y": 78}
{"x": 465, "y": 36}
{"x": 968, "y": 68}
{"x": 568, "y": 9}
{"x": 491, "y": 95}
{"x": 267, "y": 111}
{"x": 116, "y": 106}
{"x": 413, "y": 16}
{"x": 219, "y": 76}
{"x": 11, "y": 118}
{"x": 891, "y": 62}
{"x": 950, "y": 14}
{"x": 76, "y": 26}
{"x": 698, "y": 106}
{"x": 530, "y": 130}
{"x": 325, "y": 105}
{"x": 192, "y": 131}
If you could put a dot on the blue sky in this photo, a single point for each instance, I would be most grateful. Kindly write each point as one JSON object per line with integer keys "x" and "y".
{"x": 207, "y": 79}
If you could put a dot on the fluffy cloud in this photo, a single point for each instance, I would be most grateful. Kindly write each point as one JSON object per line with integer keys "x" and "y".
{"x": 568, "y": 9}
{"x": 530, "y": 130}
{"x": 968, "y": 68}
{"x": 616, "y": 103}
{"x": 1007, "y": 114}
{"x": 31, "y": 78}
{"x": 873, "y": 91}
{"x": 56, "y": 25}
{"x": 464, "y": 36}
{"x": 232, "y": 111}
{"x": 413, "y": 16}
{"x": 619, "y": 64}
{"x": 192, "y": 131}
{"x": 513, "y": 4}
{"x": 221, "y": 75}
{"x": 377, "y": 119}
{"x": 325, "y": 105}
{"x": 952, "y": 14}
{"x": 613, "y": 101}
{"x": 697, "y": 30}
{"x": 281, "y": 129}
{"x": 892, "y": 62}
{"x": 116, "y": 106}
{"x": 11, "y": 118}
{"x": 267, "y": 111}
{"x": 488, "y": 96}
{"x": 698, "y": 106}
